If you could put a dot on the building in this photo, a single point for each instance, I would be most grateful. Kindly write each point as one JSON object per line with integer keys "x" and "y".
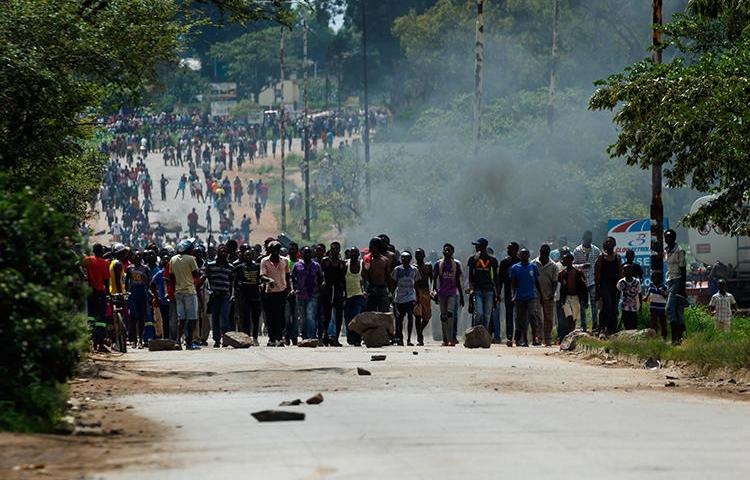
{"x": 271, "y": 95}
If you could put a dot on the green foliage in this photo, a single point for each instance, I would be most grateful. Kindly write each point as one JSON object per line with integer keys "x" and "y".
{"x": 43, "y": 335}
{"x": 688, "y": 115}
{"x": 705, "y": 345}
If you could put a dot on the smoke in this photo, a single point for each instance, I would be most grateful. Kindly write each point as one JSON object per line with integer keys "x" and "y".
{"x": 530, "y": 183}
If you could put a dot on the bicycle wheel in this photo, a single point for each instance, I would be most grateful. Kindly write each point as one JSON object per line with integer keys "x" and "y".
{"x": 121, "y": 340}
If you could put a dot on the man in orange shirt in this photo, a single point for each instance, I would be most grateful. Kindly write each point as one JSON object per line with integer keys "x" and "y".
{"x": 97, "y": 274}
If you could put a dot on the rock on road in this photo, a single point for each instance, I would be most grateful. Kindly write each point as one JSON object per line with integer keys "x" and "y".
{"x": 445, "y": 413}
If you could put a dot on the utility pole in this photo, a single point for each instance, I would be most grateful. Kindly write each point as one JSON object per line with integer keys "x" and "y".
{"x": 657, "y": 207}
{"x": 367, "y": 105}
{"x": 282, "y": 131}
{"x": 306, "y": 127}
{"x": 553, "y": 64}
{"x": 478, "y": 65}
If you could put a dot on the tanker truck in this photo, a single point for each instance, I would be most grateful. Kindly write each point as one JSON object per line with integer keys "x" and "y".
{"x": 727, "y": 256}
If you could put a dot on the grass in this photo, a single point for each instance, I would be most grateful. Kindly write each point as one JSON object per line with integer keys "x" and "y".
{"x": 704, "y": 345}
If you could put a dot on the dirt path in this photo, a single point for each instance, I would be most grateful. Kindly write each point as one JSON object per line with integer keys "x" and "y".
{"x": 439, "y": 413}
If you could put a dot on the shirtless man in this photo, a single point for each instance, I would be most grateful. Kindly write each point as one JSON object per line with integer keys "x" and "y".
{"x": 377, "y": 275}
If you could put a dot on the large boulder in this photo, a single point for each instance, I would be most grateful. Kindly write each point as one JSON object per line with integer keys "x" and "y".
{"x": 571, "y": 340}
{"x": 376, "y": 337}
{"x": 636, "y": 334}
{"x": 237, "y": 340}
{"x": 477, "y": 337}
{"x": 371, "y": 320}
{"x": 160, "y": 344}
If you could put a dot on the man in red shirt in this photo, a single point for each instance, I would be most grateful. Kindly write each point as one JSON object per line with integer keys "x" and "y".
{"x": 97, "y": 274}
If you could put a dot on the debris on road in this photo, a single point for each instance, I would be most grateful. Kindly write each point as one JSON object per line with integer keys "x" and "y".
{"x": 415, "y": 353}
{"x": 571, "y": 340}
{"x": 236, "y": 340}
{"x": 277, "y": 416}
{"x": 161, "y": 344}
{"x": 308, "y": 343}
{"x": 477, "y": 337}
{"x": 652, "y": 364}
{"x": 375, "y": 328}
{"x": 670, "y": 384}
{"x": 377, "y": 358}
{"x": 672, "y": 377}
{"x": 315, "y": 399}
{"x": 291, "y": 403}
{"x": 362, "y": 371}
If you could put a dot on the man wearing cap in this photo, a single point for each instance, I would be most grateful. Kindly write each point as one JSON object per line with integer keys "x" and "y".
{"x": 482, "y": 276}
{"x": 182, "y": 270}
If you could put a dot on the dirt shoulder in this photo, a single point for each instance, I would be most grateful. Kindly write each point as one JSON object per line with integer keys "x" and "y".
{"x": 109, "y": 435}
{"x": 725, "y": 383}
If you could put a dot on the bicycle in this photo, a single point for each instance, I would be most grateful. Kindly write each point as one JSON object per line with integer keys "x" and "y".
{"x": 119, "y": 331}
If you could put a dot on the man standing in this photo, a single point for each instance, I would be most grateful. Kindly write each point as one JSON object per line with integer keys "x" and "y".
{"x": 524, "y": 278}
{"x": 423, "y": 309}
{"x": 584, "y": 256}
{"x": 504, "y": 274}
{"x": 163, "y": 181}
{"x": 405, "y": 277}
{"x": 547, "y": 285}
{"x": 274, "y": 271}
{"x": 607, "y": 272}
{"x": 333, "y": 292}
{"x": 245, "y": 228}
{"x": 676, "y": 278}
{"x": 482, "y": 275}
{"x": 573, "y": 293}
{"x": 446, "y": 285}
{"x": 97, "y": 274}
{"x": 182, "y": 270}
{"x": 246, "y": 291}
{"x": 192, "y": 221}
{"x": 218, "y": 274}
{"x": 208, "y": 220}
{"x": 377, "y": 275}
{"x": 307, "y": 277}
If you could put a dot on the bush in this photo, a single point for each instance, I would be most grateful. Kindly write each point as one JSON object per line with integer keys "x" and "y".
{"x": 42, "y": 333}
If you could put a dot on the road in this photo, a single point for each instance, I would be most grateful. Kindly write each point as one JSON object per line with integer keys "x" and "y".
{"x": 440, "y": 413}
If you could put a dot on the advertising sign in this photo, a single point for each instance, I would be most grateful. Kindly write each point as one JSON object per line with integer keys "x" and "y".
{"x": 221, "y": 108}
{"x": 634, "y": 234}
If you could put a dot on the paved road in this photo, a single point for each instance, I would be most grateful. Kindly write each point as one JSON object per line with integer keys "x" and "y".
{"x": 444, "y": 413}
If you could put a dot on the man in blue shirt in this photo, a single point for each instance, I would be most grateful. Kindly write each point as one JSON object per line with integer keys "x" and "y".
{"x": 524, "y": 280}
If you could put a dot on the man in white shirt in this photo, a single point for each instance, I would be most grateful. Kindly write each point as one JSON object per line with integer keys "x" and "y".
{"x": 722, "y": 305}
{"x": 584, "y": 257}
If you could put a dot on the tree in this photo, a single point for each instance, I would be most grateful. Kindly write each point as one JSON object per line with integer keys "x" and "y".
{"x": 690, "y": 115}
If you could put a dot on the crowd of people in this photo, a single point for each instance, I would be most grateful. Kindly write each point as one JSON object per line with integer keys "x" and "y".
{"x": 209, "y": 149}
{"x": 197, "y": 290}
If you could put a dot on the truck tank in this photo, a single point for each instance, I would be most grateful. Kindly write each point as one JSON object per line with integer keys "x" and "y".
{"x": 712, "y": 247}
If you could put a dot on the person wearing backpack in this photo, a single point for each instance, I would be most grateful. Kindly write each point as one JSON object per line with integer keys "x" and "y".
{"x": 446, "y": 286}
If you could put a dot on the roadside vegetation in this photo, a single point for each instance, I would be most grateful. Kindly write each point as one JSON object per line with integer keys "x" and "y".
{"x": 704, "y": 345}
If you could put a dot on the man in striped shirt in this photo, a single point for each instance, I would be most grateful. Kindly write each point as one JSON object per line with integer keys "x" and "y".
{"x": 584, "y": 257}
{"x": 218, "y": 273}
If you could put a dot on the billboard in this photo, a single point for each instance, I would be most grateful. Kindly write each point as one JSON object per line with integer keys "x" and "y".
{"x": 223, "y": 90}
{"x": 221, "y": 108}
{"x": 634, "y": 234}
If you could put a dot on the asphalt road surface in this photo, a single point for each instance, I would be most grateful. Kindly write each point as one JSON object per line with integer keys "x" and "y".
{"x": 442, "y": 413}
